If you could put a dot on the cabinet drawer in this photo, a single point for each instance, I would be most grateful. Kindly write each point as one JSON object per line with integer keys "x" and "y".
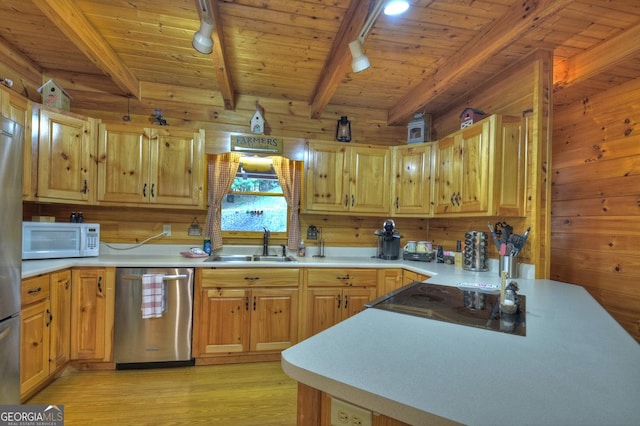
{"x": 342, "y": 277}
{"x": 250, "y": 277}
{"x": 35, "y": 289}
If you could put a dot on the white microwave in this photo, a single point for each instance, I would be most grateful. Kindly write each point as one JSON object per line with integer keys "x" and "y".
{"x": 54, "y": 240}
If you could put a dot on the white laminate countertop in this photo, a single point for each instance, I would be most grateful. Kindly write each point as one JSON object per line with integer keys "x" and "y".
{"x": 575, "y": 366}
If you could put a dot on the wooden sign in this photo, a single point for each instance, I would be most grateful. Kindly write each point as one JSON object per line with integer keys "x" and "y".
{"x": 257, "y": 143}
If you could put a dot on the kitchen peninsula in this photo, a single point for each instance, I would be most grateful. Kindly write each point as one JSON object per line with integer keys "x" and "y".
{"x": 575, "y": 365}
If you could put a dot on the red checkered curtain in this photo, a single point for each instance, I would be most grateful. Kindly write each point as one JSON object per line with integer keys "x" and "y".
{"x": 290, "y": 180}
{"x": 222, "y": 170}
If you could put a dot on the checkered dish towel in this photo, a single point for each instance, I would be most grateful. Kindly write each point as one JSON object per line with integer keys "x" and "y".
{"x": 152, "y": 295}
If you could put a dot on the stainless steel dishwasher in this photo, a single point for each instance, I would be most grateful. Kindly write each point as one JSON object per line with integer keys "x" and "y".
{"x": 161, "y": 339}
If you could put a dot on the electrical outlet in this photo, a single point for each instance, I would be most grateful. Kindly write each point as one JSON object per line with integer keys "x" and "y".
{"x": 166, "y": 229}
{"x": 345, "y": 414}
{"x": 312, "y": 232}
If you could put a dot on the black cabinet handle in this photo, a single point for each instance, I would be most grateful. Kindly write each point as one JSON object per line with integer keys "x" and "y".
{"x": 100, "y": 284}
{"x": 254, "y": 303}
{"x": 346, "y": 302}
{"x": 35, "y": 290}
{"x": 339, "y": 301}
{"x": 144, "y": 190}
{"x": 153, "y": 192}
{"x": 246, "y": 303}
{"x": 85, "y": 188}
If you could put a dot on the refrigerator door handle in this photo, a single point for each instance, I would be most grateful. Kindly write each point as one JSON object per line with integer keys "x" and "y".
{"x": 4, "y": 333}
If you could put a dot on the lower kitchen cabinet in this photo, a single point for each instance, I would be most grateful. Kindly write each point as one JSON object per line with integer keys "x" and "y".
{"x": 333, "y": 295}
{"x": 35, "y": 334}
{"x": 409, "y": 276}
{"x": 60, "y": 287}
{"x": 92, "y": 302}
{"x": 389, "y": 280}
{"x": 249, "y": 313}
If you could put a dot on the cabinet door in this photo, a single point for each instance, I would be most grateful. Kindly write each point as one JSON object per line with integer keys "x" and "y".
{"x": 474, "y": 178}
{"x": 123, "y": 164}
{"x": 354, "y": 299}
{"x": 274, "y": 319}
{"x": 34, "y": 345}
{"x": 389, "y": 280}
{"x": 323, "y": 309}
{"x": 88, "y": 314}
{"x": 224, "y": 321}
{"x": 327, "y": 177}
{"x": 513, "y": 164}
{"x": 369, "y": 177}
{"x": 61, "y": 324}
{"x": 448, "y": 155}
{"x": 412, "y": 180}
{"x": 177, "y": 158}
{"x": 66, "y": 147}
{"x": 18, "y": 109}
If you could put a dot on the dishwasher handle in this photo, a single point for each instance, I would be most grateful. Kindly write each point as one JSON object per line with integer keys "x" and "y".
{"x": 164, "y": 278}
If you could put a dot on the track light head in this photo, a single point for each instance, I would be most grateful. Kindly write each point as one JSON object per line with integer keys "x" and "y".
{"x": 360, "y": 61}
{"x": 202, "y": 40}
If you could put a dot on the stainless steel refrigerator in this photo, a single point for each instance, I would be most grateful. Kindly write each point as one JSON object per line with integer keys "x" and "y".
{"x": 10, "y": 258}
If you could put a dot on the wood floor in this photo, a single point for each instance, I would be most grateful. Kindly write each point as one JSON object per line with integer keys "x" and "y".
{"x": 257, "y": 394}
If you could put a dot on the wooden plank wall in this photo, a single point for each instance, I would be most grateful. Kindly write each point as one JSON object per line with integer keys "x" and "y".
{"x": 595, "y": 226}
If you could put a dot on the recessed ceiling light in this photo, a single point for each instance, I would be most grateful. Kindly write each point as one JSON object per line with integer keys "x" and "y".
{"x": 396, "y": 7}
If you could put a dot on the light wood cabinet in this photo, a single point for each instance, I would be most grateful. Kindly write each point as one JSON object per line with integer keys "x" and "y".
{"x": 333, "y": 295}
{"x": 66, "y": 157}
{"x": 409, "y": 276}
{"x": 18, "y": 109}
{"x": 60, "y": 285}
{"x": 92, "y": 307}
{"x": 480, "y": 170}
{"x": 245, "y": 311}
{"x": 389, "y": 280}
{"x": 412, "y": 183}
{"x": 150, "y": 166}
{"x": 35, "y": 336}
{"x": 347, "y": 178}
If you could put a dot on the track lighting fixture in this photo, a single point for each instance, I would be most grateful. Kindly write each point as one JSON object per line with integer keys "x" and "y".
{"x": 360, "y": 61}
{"x": 202, "y": 39}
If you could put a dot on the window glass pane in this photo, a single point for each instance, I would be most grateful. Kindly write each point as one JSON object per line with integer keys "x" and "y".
{"x": 254, "y": 213}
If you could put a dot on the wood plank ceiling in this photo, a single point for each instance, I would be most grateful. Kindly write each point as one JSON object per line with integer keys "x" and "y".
{"x": 425, "y": 60}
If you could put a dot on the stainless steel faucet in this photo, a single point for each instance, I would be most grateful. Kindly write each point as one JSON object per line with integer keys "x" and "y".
{"x": 265, "y": 242}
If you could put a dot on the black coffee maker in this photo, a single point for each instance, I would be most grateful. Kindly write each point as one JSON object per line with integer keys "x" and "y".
{"x": 388, "y": 241}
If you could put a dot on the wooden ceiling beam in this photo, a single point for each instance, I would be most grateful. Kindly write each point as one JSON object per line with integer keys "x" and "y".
{"x": 594, "y": 61}
{"x": 11, "y": 56}
{"x": 339, "y": 57}
{"x": 69, "y": 18}
{"x": 219, "y": 57}
{"x": 521, "y": 18}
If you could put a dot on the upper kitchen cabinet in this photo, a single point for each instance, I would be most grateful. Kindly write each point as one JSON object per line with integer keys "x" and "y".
{"x": 161, "y": 166}
{"x": 470, "y": 180}
{"x": 347, "y": 178}
{"x": 66, "y": 156}
{"x": 18, "y": 109}
{"x": 412, "y": 183}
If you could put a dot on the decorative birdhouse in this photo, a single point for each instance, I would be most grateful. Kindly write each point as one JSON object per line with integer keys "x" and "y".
{"x": 257, "y": 121}
{"x": 470, "y": 116}
{"x": 54, "y": 95}
{"x": 416, "y": 129}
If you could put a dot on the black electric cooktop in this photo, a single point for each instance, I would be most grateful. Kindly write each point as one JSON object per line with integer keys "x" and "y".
{"x": 474, "y": 308}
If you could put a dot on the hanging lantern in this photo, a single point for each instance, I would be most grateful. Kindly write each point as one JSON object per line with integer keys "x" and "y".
{"x": 343, "y": 130}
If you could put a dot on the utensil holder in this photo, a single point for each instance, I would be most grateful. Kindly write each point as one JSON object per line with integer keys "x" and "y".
{"x": 508, "y": 264}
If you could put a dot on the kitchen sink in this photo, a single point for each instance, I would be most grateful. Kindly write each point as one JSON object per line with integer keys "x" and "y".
{"x": 248, "y": 258}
